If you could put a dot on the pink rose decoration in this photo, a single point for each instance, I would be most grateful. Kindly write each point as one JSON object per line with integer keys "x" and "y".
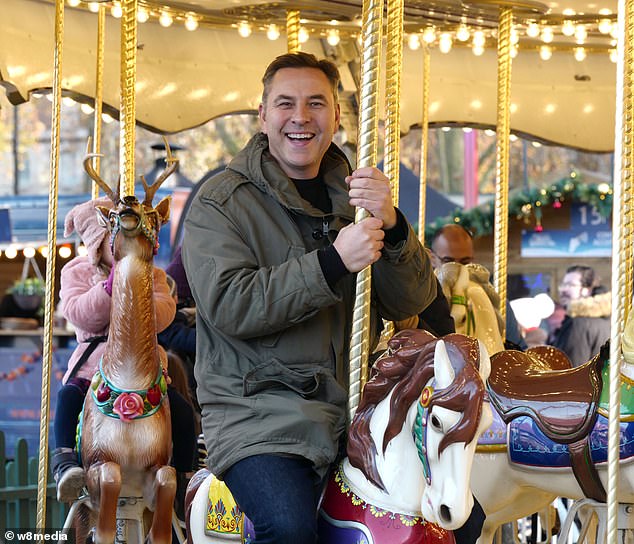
{"x": 128, "y": 406}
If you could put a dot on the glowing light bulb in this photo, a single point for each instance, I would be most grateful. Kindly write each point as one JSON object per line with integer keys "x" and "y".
{"x": 613, "y": 55}
{"x": 165, "y": 19}
{"x": 515, "y": 37}
{"x": 429, "y": 35}
{"x": 106, "y": 118}
{"x": 302, "y": 35}
{"x": 477, "y": 50}
{"x": 614, "y": 30}
{"x": 64, "y": 252}
{"x": 244, "y": 29}
{"x": 479, "y": 39}
{"x": 605, "y": 25}
{"x": 191, "y": 23}
{"x": 93, "y": 7}
{"x": 333, "y": 37}
{"x": 117, "y": 10}
{"x": 142, "y": 15}
{"x": 29, "y": 252}
{"x": 87, "y": 109}
{"x": 513, "y": 51}
{"x": 11, "y": 252}
{"x": 545, "y": 52}
{"x": 532, "y": 30}
{"x": 581, "y": 33}
{"x": 73, "y": 3}
{"x": 580, "y": 54}
{"x": 568, "y": 28}
{"x": 445, "y": 42}
{"x": 467, "y": 130}
{"x": 463, "y": 34}
{"x": 413, "y": 42}
{"x": 547, "y": 34}
{"x": 68, "y": 101}
{"x": 489, "y": 132}
{"x": 273, "y": 32}
{"x": 43, "y": 251}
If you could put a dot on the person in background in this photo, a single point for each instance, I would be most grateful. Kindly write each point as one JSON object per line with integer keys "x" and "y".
{"x": 271, "y": 253}
{"x": 453, "y": 243}
{"x": 586, "y": 326}
{"x": 85, "y": 300}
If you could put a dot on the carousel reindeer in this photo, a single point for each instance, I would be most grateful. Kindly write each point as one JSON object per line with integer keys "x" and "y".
{"x": 125, "y": 440}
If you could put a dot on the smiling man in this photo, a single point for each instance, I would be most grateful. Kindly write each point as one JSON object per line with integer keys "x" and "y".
{"x": 271, "y": 252}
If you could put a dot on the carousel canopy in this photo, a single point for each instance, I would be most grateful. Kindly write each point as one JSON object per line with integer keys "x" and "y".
{"x": 200, "y": 59}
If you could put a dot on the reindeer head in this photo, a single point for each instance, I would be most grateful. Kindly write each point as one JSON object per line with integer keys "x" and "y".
{"x": 132, "y": 218}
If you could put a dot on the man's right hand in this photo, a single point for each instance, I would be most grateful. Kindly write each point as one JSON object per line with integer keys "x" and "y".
{"x": 360, "y": 244}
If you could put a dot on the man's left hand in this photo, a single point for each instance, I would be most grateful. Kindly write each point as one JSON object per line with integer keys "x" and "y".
{"x": 369, "y": 188}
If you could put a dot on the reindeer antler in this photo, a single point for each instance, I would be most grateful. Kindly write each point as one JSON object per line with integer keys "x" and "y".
{"x": 172, "y": 164}
{"x": 114, "y": 196}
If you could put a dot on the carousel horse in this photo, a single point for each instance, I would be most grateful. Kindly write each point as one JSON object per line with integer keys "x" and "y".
{"x": 410, "y": 450}
{"x": 549, "y": 431}
{"x": 125, "y": 434}
{"x": 474, "y": 303}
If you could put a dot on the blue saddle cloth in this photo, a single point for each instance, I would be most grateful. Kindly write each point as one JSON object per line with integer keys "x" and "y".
{"x": 527, "y": 444}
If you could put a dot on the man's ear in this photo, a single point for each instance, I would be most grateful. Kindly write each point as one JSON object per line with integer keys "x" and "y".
{"x": 262, "y": 116}
{"x": 337, "y": 116}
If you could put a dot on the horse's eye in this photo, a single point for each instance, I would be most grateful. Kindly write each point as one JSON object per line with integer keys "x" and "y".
{"x": 436, "y": 423}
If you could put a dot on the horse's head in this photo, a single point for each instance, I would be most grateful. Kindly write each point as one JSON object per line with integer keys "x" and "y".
{"x": 131, "y": 218}
{"x": 434, "y": 391}
{"x": 451, "y": 416}
{"x": 474, "y": 303}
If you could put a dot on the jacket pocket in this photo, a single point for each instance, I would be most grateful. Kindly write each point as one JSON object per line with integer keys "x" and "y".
{"x": 274, "y": 375}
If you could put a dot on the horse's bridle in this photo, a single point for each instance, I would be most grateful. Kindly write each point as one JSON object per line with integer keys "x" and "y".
{"x": 462, "y": 300}
{"x": 420, "y": 428}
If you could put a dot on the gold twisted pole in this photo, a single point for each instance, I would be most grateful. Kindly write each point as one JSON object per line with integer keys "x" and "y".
{"x": 502, "y": 155}
{"x": 393, "y": 70}
{"x": 292, "y": 31}
{"x": 424, "y": 133}
{"x": 366, "y": 156}
{"x": 47, "y": 341}
{"x": 128, "y": 82}
{"x": 622, "y": 223}
{"x": 101, "y": 26}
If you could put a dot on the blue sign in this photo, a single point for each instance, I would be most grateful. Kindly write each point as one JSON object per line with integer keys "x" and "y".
{"x": 589, "y": 235}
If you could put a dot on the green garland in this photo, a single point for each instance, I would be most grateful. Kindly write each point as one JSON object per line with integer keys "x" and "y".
{"x": 524, "y": 204}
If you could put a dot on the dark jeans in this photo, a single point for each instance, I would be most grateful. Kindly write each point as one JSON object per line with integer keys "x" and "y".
{"x": 279, "y": 495}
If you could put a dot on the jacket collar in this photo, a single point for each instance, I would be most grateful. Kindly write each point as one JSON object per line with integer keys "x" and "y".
{"x": 257, "y": 165}
{"x": 595, "y": 306}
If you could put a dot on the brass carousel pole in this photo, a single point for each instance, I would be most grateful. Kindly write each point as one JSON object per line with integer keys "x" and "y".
{"x": 424, "y": 134}
{"x": 292, "y": 31}
{"x": 128, "y": 81}
{"x": 393, "y": 70}
{"x": 502, "y": 156}
{"x": 101, "y": 25}
{"x": 366, "y": 156}
{"x": 47, "y": 348}
{"x": 622, "y": 225}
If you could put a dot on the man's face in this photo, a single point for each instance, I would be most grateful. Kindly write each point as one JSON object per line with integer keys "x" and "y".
{"x": 300, "y": 118}
{"x": 571, "y": 288}
{"x": 452, "y": 246}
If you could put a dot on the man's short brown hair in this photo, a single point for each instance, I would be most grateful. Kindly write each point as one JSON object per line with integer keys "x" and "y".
{"x": 300, "y": 59}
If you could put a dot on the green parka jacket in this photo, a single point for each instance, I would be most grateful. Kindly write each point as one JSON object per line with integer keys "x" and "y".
{"x": 272, "y": 337}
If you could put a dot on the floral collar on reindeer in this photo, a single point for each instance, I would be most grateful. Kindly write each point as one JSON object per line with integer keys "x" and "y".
{"x": 128, "y": 404}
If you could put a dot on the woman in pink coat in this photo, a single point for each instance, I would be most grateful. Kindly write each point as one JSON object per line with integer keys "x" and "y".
{"x": 85, "y": 298}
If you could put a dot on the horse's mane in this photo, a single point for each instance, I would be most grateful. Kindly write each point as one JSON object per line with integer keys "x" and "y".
{"x": 405, "y": 368}
{"x": 448, "y": 274}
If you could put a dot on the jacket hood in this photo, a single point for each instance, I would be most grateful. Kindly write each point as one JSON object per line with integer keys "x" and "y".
{"x": 82, "y": 219}
{"x": 259, "y": 167}
{"x": 595, "y": 306}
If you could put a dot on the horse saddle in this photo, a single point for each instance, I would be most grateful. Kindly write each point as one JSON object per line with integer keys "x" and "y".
{"x": 561, "y": 401}
{"x": 541, "y": 384}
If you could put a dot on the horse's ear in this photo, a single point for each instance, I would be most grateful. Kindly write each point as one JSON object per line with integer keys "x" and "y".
{"x": 163, "y": 209}
{"x": 102, "y": 216}
{"x": 443, "y": 371}
{"x": 485, "y": 362}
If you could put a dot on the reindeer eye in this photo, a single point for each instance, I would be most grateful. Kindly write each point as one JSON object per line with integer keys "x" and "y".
{"x": 436, "y": 423}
